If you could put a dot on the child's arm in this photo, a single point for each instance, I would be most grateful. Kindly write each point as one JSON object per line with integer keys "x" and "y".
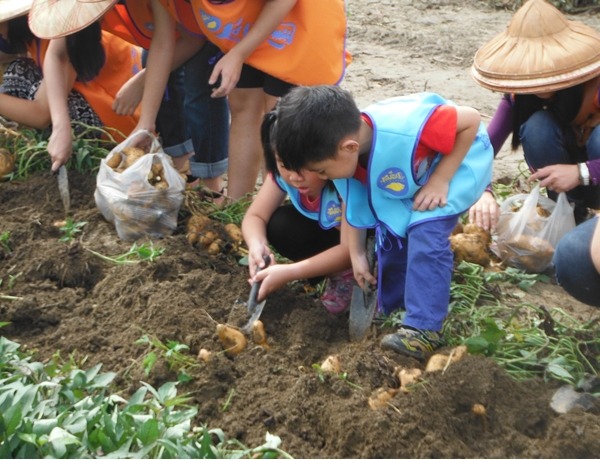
{"x": 435, "y": 192}
{"x": 229, "y": 66}
{"x": 59, "y": 76}
{"x": 132, "y": 91}
{"x": 158, "y": 65}
{"x": 254, "y": 224}
{"x": 357, "y": 241}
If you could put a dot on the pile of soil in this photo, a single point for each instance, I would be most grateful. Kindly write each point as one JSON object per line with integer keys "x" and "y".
{"x": 69, "y": 299}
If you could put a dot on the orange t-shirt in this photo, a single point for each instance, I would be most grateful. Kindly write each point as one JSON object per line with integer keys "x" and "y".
{"x": 123, "y": 60}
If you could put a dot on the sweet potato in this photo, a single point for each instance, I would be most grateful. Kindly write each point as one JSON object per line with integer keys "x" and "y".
{"x": 232, "y": 339}
{"x": 7, "y": 162}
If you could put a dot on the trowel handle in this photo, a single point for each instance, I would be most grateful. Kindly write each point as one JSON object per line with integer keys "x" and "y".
{"x": 256, "y": 285}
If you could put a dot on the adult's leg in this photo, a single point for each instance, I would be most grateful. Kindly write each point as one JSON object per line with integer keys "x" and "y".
{"x": 575, "y": 269}
{"x": 545, "y": 143}
{"x": 207, "y": 120}
{"x": 248, "y": 106}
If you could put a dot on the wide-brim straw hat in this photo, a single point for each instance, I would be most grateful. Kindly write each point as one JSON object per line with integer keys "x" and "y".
{"x": 10, "y": 9}
{"x": 540, "y": 51}
{"x": 57, "y": 18}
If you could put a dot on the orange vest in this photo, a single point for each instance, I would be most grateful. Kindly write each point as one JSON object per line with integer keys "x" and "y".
{"x": 134, "y": 20}
{"x": 307, "y": 48}
{"x": 122, "y": 61}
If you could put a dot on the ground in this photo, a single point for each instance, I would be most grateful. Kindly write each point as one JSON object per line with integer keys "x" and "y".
{"x": 69, "y": 299}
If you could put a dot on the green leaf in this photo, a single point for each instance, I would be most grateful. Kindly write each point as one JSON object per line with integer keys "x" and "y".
{"x": 149, "y": 432}
{"x": 149, "y": 361}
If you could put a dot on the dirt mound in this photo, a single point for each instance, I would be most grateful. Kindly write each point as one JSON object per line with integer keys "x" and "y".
{"x": 69, "y": 299}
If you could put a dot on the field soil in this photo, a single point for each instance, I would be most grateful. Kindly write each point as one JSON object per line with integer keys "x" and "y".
{"x": 68, "y": 299}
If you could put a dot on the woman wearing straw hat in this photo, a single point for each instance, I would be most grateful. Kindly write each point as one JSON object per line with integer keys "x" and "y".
{"x": 549, "y": 69}
{"x": 81, "y": 73}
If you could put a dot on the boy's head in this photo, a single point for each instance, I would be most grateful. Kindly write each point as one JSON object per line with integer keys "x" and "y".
{"x": 310, "y": 122}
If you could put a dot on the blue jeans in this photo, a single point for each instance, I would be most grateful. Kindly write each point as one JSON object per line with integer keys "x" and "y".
{"x": 415, "y": 273}
{"x": 207, "y": 118}
{"x": 575, "y": 270}
{"x": 546, "y": 142}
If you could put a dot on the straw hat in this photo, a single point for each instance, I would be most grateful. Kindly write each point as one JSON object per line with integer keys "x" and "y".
{"x": 10, "y": 9}
{"x": 540, "y": 51}
{"x": 57, "y": 18}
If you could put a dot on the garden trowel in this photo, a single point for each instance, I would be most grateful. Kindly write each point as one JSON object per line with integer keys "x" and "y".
{"x": 364, "y": 301}
{"x": 63, "y": 188}
{"x": 255, "y": 309}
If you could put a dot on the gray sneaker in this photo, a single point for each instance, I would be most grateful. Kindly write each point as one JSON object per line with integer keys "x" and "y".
{"x": 413, "y": 342}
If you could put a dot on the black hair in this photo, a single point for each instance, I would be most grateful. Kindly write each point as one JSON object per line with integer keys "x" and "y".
{"x": 86, "y": 52}
{"x": 19, "y": 34}
{"x": 267, "y": 133}
{"x": 566, "y": 103}
{"x": 524, "y": 106}
{"x": 311, "y": 122}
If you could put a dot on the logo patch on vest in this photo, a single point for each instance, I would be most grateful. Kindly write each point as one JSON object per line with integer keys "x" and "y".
{"x": 333, "y": 211}
{"x": 393, "y": 181}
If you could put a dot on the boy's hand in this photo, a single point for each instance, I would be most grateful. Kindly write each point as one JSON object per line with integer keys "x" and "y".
{"x": 362, "y": 274}
{"x": 432, "y": 195}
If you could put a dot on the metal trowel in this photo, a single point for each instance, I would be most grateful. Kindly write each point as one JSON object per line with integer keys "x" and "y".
{"x": 63, "y": 188}
{"x": 255, "y": 309}
{"x": 364, "y": 301}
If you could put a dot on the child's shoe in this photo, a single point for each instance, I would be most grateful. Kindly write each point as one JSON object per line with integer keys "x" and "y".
{"x": 338, "y": 292}
{"x": 413, "y": 342}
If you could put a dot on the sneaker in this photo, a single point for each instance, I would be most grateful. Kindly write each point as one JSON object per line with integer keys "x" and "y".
{"x": 338, "y": 292}
{"x": 413, "y": 342}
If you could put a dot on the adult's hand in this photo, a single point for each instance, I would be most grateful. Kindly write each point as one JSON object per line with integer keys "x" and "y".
{"x": 557, "y": 178}
{"x": 485, "y": 212}
{"x": 60, "y": 146}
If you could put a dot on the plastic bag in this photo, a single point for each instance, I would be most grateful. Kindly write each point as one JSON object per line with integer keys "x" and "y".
{"x": 143, "y": 195}
{"x": 529, "y": 227}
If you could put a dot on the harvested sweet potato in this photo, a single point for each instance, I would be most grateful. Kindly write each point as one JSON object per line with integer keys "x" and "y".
{"x": 132, "y": 154}
{"x": 7, "y": 162}
{"x": 234, "y": 232}
{"x": 526, "y": 252}
{"x": 259, "y": 336}
{"x": 332, "y": 364}
{"x": 381, "y": 397}
{"x": 232, "y": 339}
{"x": 115, "y": 160}
{"x": 470, "y": 247}
{"x": 473, "y": 229}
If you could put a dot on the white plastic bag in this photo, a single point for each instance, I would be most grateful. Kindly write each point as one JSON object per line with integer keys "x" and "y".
{"x": 529, "y": 227}
{"x": 128, "y": 199}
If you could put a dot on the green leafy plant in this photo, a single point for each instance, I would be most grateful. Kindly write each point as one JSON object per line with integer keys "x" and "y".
{"x": 5, "y": 241}
{"x": 173, "y": 352}
{"x": 58, "y": 410}
{"x": 526, "y": 340}
{"x": 343, "y": 376}
{"x": 135, "y": 254}
{"x": 71, "y": 228}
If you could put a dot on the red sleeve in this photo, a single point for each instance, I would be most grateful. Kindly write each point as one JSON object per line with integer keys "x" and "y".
{"x": 439, "y": 133}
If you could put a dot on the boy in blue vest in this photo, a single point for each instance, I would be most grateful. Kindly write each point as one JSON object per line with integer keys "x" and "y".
{"x": 407, "y": 167}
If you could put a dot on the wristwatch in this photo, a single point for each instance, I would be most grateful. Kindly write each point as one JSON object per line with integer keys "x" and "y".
{"x": 584, "y": 174}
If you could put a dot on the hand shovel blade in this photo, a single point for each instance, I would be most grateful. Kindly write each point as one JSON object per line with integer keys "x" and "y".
{"x": 63, "y": 188}
{"x": 362, "y": 310}
{"x": 255, "y": 309}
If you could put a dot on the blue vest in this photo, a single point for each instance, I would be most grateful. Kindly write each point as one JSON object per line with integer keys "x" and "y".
{"x": 393, "y": 178}
{"x": 330, "y": 209}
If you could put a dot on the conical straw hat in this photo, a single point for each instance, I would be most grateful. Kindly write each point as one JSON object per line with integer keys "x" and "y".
{"x": 540, "y": 51}
{"x": 10, "y": 9}
{"x": 57, "y": 18}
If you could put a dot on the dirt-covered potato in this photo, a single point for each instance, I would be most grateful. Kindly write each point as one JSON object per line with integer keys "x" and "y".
{"x": 132, "y": 154}
{"x": 474, "y": 229}
{"x": 470, "y": 247}
{"x": 115, "y": 160}
{"x": 7, "y": 162}
{"x": 529, "y": 253}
